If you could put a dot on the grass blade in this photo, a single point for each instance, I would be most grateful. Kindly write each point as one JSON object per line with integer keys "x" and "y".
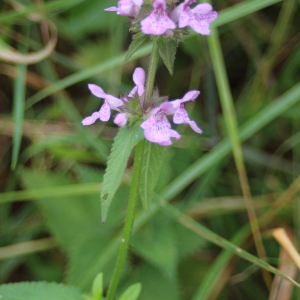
{"x": 232, "y": 129}
{"x": 18, "y": 106}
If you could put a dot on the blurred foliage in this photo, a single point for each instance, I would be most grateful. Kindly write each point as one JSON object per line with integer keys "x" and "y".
{"x": 262, "y": 56}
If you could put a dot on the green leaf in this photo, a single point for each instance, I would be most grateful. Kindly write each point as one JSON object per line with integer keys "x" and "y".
{"x": 132, "y": 292}
{"x": 39, "y": 291}
{"x": 138, "y": 40}
{"x": 153, "y": 155}
{"x": 167, "y": 50}
{"x": 156, "y": 242}
{"x": 98, "y": 287}
{"x": 124, "y": 143}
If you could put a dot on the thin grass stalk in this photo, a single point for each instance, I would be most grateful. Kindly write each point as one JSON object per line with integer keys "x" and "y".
{"x": 211, "y": 278}
{"x": 277, "y": 40}
{"x": 232, "y": 129}
{"x": 134, "y": 191}
{"x": 221, "y": 242}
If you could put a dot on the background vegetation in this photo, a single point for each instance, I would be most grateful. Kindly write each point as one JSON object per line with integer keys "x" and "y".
{"x": 51, "y": 166}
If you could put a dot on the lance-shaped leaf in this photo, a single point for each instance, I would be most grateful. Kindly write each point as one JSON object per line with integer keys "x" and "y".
{"x": 153, "y": 155}
{"x": 124, "y": 143}
{"x": 167, "y": 50}
{"x": 38, "y": 291}
{"x": 138, "y": 40}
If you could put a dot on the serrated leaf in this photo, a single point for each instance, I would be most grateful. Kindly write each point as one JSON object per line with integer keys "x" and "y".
{"x": 132, "y": 292}
{"x": 152, "y": 162}
{"x": 39, "y": 291}
{"x": 123, "y": 145}
{"x": 167, "y": 50}
{"x": 138, "y": 40}
{"x": 98, "y": 287}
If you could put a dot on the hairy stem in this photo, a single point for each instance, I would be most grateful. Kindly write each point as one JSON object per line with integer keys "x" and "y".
{"x": 138, "y": 162}
{"x": 151, "y": 74}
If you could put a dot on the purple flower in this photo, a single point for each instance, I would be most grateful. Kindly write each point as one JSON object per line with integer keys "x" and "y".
{"x": 121, "y": 119}
{"x": 110, "y": 102}
{"x": 158, "y": 22}
{"x": 157, "y": 128}
{"x": 198, "y": 18}
{"x": 180, "y": 115}
{"x": 129, "y": 8}
{"x": 139, "y": 79}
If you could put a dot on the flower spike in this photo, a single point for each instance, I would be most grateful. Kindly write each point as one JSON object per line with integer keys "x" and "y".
{"x": 158, "y": 22}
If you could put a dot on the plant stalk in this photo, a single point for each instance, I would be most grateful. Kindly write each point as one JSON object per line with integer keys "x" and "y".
{"x": 136, "y": 175}
{"x": 151, "y": 74}
{"x": 232, "y": 128}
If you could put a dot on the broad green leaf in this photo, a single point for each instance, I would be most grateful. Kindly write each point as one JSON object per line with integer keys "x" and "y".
{"x": 153, "y": 155}
{"x": 74, "y": 222}
{"x": 138, "y": 40}
{"x": 39, "y": 291}
{"x": 132, "y": 292}
{"x": 122, "y": 147}
{"x": 156, "y": 242}
{"x": 98, "y": 287}
{"x": 167, "y": 50}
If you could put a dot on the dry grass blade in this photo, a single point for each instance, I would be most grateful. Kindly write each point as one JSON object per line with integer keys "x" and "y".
{"x": 282, "y": 289}
{"x": 13, "y": 56}
{"x": 27, "y": 247}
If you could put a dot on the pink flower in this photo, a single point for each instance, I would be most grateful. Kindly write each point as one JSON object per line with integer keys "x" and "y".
{"x": 180, "y": 115}
{"x": 158, "y": 22}
{"x": 129, "y": 8}
{"x": 103, "y": 114}
{"x": 121, "y": 119}
{"x": 139, "y": 79}
{"x": 198, "y": 18}
{"x": 157, "y": 129}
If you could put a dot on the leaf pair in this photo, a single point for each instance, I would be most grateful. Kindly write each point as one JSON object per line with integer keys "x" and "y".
{"x": 131, "y": 293}
{"x": 166, "y": 45}
{"x": 123, "y": 145}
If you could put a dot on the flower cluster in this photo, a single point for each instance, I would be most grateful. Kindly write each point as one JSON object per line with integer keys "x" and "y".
{"x": 157, "y": 128}
{"x": 163, "y": 19}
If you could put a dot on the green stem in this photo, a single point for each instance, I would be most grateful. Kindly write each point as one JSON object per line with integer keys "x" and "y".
{"x": 151, "y": 74}
{"x": 136, "y": 175}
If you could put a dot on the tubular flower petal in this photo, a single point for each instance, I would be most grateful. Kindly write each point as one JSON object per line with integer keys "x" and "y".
{"x": 121, "y": 119}
{"x": 158, "y": 22}
{"x": 198, "y": 18}
{"x": 180, "y": 115}
{"x": 157, "y": 128}
{"x": 139, "y": 77}
{"x": 129, "y": 8}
